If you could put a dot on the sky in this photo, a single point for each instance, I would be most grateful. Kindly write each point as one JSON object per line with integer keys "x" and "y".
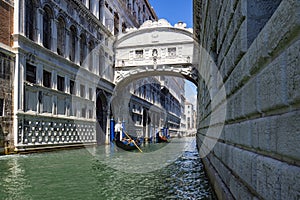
{"x": 174, "y": 11}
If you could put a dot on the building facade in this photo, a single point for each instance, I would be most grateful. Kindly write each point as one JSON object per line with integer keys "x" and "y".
{"x": 190, "y": 115}
{"x": 64, "y": 68}
{"x": 58, "y": 58}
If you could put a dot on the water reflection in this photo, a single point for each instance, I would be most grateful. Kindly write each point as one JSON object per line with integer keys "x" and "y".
{"x": 13, "y": 179}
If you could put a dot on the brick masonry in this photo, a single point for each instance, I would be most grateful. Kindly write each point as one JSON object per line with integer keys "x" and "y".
{"x": 6, "y": 74}
{"x": 6, "y": 22}
{"x": 255, "y": 46}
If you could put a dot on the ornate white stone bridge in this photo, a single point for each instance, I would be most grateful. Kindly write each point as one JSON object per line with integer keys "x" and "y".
{"x": 156, "y": 48}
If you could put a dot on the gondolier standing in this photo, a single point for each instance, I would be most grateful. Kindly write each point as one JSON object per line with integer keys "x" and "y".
{"x": 118, "y": 130}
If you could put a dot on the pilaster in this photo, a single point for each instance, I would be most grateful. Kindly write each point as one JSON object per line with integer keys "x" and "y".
{"x": 54, "y": 23}
{"x": 39, "y": 26}
{"x": 67, "y": 47}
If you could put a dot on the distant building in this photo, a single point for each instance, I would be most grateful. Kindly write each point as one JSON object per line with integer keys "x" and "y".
{"x": 190, "y": 115}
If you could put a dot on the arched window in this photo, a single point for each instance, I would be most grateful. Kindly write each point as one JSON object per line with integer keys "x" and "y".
{"x": 47, "y": 27}
{"x": 91, "y": 48}
{"x": 61, "y": 35}
{"x": 116, "y": 23}
{"x": 73, "y": 35}
{"x": 82, "y": 48}
{"x": 30, "y": 19}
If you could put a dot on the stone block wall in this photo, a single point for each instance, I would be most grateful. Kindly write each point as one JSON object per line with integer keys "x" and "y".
{"x": 255, "y": 46}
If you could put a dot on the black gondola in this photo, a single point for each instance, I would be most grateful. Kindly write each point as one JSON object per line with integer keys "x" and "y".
{"x": 161, "y": 139}
{"x": 126, "y": 145}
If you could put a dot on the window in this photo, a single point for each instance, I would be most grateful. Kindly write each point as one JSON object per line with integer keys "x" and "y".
{"x": 73, "y": 35}
{"x": 1, "y": 107}
{"x": 30, "y": 73}
{"x": 47, "y": 79}
{"x": 72, "y": 87}
{"x": 47, "y": 28}
{"x": 124, "y": 26}
{"x": 116, "y": 23}
{"x": 139, "y": 53}
{"x": 172, "y": 51}
{"x": 90, "y": 94}
{"x": 4, "y": 66}
{"x": 82, "y": 91}
{"x": 61, "y": 36}
{"x": 83, "y": 112}
{"x": 90, "y": 114}
{"x": 82, "y": 48}
{"x": 30, "y": 19}
{"x": 60, "y": 83}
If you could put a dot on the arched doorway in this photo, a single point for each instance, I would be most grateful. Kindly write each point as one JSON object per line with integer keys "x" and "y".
{"x": 101, "y": 114}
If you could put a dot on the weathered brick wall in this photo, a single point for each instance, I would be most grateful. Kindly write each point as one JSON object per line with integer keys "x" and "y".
{"x": 256, "y": 48}
{"x": 6, "y": 89}
{"x": 6, "y": 22}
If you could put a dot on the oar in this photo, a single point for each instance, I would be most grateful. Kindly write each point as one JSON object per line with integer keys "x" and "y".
{"x": 134, "y": 142}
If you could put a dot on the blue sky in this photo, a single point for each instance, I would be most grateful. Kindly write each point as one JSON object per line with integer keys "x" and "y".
{"x": 174, "y": 11}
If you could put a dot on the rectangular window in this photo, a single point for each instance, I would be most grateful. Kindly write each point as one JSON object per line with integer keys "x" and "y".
{"x": 83, "y": 112}
{"x": 139, "y": 53}
{"x": 30, "y": 73}
{"x": 90, "y": 114}
{"x": 4, "y": 67}
{"x": 1, "y": 107}
{"x": 90, "y": 94}
{"x": 47, "y": 79}
{"x": 72, "y": 87}
{"x": 172, "y": 51}
{"x": 82, "y": 91}
{"x": 60, "y": 83}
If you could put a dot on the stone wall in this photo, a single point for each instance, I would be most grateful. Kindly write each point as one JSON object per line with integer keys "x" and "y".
{"x": 255, "y": 46}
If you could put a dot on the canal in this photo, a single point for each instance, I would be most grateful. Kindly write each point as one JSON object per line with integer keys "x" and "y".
{"x": 162, "y": 171}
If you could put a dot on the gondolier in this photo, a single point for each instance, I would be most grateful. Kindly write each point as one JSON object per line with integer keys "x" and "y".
{"x": 118, "y": 131}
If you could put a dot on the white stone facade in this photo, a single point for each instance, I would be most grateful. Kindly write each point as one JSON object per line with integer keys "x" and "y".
{"x": 64, "y": 68}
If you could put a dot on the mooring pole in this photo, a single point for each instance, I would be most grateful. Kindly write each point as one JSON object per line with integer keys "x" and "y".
{"x": 112, "y": 129}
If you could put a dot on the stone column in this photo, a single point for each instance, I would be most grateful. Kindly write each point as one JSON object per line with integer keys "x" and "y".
{"x": 67, "y": 84}
{"x": 39, "y": 74}
{"x": 102, "y": 12}
{"x": 96, "y": 8}
{"x": 54, "y": 23}
{"x": 67, "y": 46}
{"x": 19, "y": 16}
{"x": 54, "y": 79}
{"x": 18, "y": 92}
{"x": 77, "y": 51}
{"x": 39, "y": 26}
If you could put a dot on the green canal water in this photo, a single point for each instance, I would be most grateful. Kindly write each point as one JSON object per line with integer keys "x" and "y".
{"x": 162, "y": 171}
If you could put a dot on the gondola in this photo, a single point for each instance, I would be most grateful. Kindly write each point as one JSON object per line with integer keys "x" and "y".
{"x": 128, "y": 146}
{"x": 161, "y": 139}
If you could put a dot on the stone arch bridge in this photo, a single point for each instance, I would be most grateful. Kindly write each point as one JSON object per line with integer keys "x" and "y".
{"x": 156, "y": 48}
